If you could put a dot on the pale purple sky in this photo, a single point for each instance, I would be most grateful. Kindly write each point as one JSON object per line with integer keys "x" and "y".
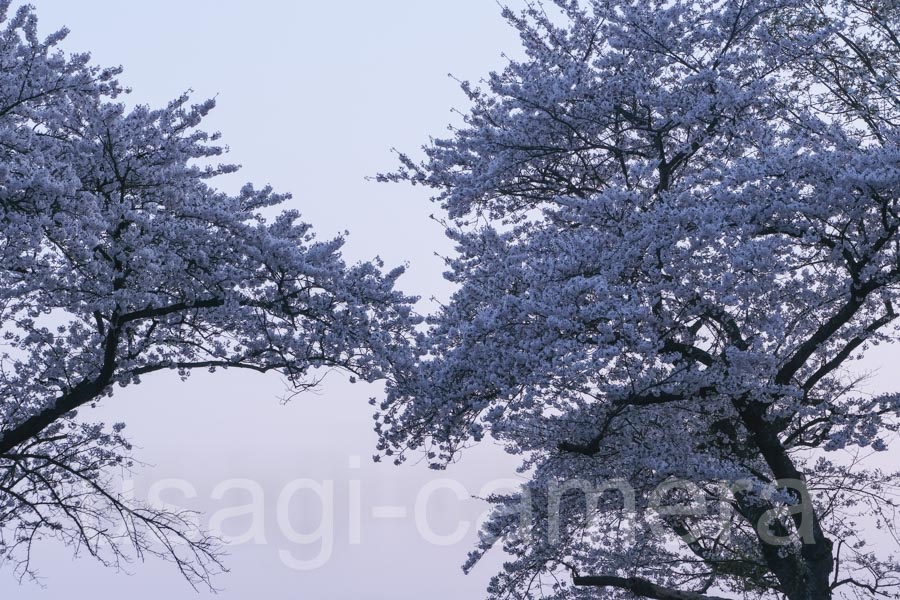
{"x": 311, "y": 98}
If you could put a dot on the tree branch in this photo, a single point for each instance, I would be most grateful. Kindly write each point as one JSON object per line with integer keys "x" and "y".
{"x": 641, "y": 587}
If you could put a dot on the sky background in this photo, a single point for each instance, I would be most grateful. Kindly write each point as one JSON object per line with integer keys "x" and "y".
{"x": 311, "y": 98}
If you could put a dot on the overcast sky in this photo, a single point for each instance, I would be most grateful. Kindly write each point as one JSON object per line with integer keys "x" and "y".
{"x": 311, "y": 98}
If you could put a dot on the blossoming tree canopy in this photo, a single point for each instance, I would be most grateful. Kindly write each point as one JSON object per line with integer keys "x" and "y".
{"x": 677, "y": 228}
{"x": 117, "y": 260}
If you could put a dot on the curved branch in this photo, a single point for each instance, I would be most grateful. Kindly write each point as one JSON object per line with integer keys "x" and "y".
{"x": 641, "y": 587}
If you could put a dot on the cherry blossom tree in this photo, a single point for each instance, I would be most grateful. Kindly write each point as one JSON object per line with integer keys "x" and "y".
{"x": 119, "y": 260}
{"x": 677, "y": 232}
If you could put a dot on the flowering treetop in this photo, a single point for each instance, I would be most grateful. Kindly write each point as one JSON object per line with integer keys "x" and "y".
{"x": 676, "y": 227}
{"x": 119, "y": 259}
